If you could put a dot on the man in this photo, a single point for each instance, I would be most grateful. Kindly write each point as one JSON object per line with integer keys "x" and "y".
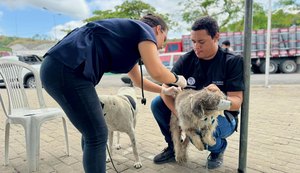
{"x": 207, "y": 65}
{"x": 226, "y": 45}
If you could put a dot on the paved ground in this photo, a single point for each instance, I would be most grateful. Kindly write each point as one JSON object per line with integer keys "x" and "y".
{"x": 273, "y": 142}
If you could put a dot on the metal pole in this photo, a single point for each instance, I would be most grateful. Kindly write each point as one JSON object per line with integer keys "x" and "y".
{"x": 245, "y": 105}
{"x": 267, "y": 63}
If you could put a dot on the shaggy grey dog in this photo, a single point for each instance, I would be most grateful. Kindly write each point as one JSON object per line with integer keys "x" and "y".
{"x": 120, "y": 113}
{"x": 197, "y": 113}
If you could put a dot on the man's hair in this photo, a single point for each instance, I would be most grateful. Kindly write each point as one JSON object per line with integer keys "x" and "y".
{"x": 206, "y": 23}
{"x": 154, "y": 20}
{"x": 226, "y": 43}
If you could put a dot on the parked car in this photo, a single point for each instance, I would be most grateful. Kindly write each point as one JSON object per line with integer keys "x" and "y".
{"x": 33, "y": 60}
{"x": 168, "y": 60}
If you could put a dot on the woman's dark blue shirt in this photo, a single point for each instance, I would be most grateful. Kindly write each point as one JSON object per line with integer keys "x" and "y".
{"x": 109, "y": 45}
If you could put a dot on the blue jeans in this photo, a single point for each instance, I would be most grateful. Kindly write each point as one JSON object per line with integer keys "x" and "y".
{"x": 78, "y": 98}
{"x": 162, "y": 115}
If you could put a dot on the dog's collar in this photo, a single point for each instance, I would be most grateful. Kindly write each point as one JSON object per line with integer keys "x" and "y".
{"x": 131, "y": 100}
{"x": 102, "y": 106}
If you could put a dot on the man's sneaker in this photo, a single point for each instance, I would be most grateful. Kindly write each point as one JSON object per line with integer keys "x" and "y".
{"x": 214, "y": 160}
{"x": 166, "y": 156}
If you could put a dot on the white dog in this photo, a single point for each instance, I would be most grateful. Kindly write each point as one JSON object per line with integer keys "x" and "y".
{"x": 120, "y": 113}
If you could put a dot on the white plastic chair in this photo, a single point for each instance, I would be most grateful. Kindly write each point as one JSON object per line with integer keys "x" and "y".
{"x": 19, "y": 111}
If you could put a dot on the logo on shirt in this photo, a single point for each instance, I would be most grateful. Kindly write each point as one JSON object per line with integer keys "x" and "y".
{"x": 218, "y": 82}
{"x": 191, "y": 81}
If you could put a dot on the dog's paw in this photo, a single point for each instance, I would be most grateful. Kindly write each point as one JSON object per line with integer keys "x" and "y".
{"x": 118, "y": 146}
{"x": 209, "y": 140}
{"x": 200, "y": 147}
{"x": 198, "y": 144}
{"x": 181, "y": 159}
{"x": 137, "y": 165}
{"x": 212, "y": 142}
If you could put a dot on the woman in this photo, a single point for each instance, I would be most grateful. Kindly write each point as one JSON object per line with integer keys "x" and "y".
{"x": 74, "y": 66}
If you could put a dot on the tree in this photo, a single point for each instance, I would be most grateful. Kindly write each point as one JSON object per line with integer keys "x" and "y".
{"x": 259, "y": 20}
{"x": 288, "y": 13}
{"x": 134, "y": 9}
{"x": 285, "y": 15}
{"x": 224, "y": 11}
{"x": 281, "y": 19}
{"x": 293, "y": 4}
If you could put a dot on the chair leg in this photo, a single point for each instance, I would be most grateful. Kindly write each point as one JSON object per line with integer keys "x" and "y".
{"x": 7, "y": 129}
{"x": 33, "y": 146}
{"x": 29, "y": 148}
{"x": 36, "y": 145}
{"x": 66, "y": 136}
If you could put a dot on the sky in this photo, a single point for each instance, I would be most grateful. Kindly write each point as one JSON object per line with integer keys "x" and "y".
{"x": 26, "y": 18}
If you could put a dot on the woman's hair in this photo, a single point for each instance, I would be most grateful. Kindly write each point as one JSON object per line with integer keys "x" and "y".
{"x": 154, "y": 20}
{"x": 206, "y": 23}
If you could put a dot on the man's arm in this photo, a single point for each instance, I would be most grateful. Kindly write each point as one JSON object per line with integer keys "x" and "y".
{"x": 235, "y": 97}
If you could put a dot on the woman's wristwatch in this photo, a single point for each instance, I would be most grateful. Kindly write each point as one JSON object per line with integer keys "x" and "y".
{"x": 176, "y": 77}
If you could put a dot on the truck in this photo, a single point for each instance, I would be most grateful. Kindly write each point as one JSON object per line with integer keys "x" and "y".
{"x": 284, "y": 52}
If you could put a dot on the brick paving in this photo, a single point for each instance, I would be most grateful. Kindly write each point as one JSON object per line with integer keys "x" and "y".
{"x": 273, "y": 141}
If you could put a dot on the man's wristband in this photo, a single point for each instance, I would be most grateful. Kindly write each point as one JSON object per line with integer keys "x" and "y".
{"x": 176, "y": 77}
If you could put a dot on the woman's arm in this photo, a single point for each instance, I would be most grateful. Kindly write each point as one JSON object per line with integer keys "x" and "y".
{"x": 155, "y": 68}
{"x": 135, "y": 76}
{"x": 169, "y": 101}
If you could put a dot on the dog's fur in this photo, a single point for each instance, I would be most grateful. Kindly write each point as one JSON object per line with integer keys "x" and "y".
{"x": 197, "y": 114}
{"x": 120, "y": 115}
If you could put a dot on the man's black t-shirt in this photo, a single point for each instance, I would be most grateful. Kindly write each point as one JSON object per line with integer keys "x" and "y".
{"x": 225, "y": 70}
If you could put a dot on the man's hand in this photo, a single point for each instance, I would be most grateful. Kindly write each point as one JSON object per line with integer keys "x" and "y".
{"x": 171, "y": 91}
{"x": 213, "y": 88}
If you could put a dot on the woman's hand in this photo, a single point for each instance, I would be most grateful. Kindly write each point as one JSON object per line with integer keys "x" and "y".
{"x": 181, "y": 82}
{"x": 170, "y": 91}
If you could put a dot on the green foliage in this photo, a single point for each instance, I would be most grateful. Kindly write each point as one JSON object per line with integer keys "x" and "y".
{"x": 134, "y": 9}
{"x": 129, "y": 9}
{"x": 5, "y": 49}
{"x": 6, "y": 42}
{"x": 285, "y": 19}
{"x": 224, "y": 11}
{"x": 281, "y": 18}
{"x": 294, "y": 3}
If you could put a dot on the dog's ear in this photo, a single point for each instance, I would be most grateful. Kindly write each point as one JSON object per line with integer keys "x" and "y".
{"x": 197, "y": 108}
{"x": 210, "y": 100}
